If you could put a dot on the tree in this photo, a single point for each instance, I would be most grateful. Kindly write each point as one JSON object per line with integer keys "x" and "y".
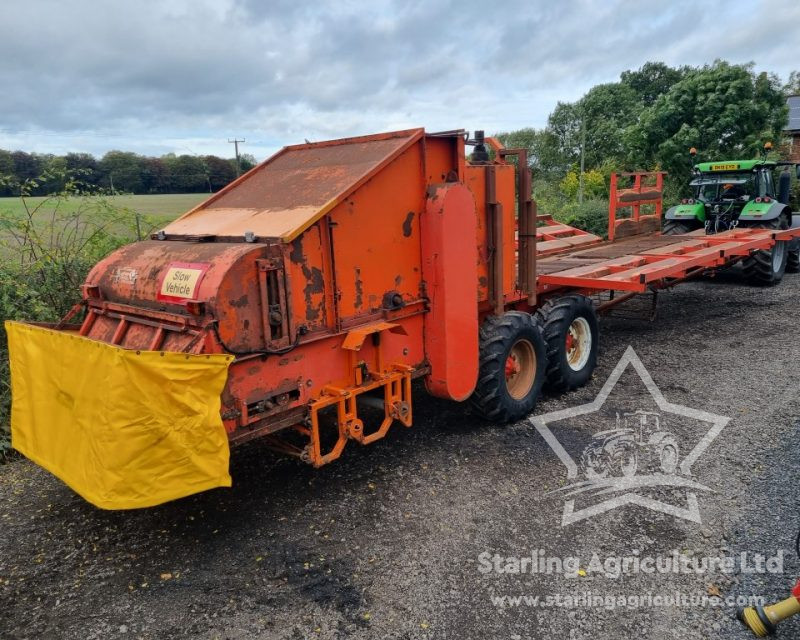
{"x": 564, "y": 124}
{"x": 27, "y": 166}
{"x": 594, "y": 185}
{"x": 8, "y": 179}
{"x": 792, "y": 86}
{"x": 652, "y": 80}
{"x": 600, "y": 118}
{"x": 246, "y": 160}
{"x": 607, "y": 110}
{"x": 54, "y": 174}
{"x": 155, "y": 176}
{"x": 723, "y": 110}
{"x": 542, "y": 147}
{"x": 602, "y": 115}
{"x": 220, "y": 172}
{"x": 83, "y": 166}
{"x": 188, "y": 174}
{"x": 122, "y": 171}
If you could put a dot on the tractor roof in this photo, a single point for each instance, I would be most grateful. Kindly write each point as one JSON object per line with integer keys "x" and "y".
{"x": 733, "y": 165}
{"x": 287, "y": 193}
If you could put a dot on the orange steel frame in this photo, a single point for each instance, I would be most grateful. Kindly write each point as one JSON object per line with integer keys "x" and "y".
{"x": 361, "y": 296}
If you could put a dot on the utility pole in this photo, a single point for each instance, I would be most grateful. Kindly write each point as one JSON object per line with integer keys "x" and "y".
{"x": 583, "y": 152}
{"x": 235, "y": 142}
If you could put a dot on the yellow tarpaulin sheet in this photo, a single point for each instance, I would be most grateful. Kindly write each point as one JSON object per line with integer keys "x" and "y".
{"x": 125, "y": 429}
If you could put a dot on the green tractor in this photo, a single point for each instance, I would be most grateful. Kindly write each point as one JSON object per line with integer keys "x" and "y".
{"x": 741, "y": 193}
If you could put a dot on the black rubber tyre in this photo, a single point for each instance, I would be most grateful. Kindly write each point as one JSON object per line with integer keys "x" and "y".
{"x": 506, "y": 341}
{"x": 572, "y": 334}
{"x": 676, "y": 228}
{"x": 793, "y": 261}
{"x": 766, "y": 268}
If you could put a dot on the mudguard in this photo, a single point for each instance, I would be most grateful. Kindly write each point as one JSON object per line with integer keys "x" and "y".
{"x": 756, "y": 211}
{"x": 686, "y": 212}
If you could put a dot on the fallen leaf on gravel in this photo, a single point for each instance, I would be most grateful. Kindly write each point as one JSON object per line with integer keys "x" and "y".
{"x": 713, "y": 590}
{"x": 366, "y": 615}
{"x": 424, "y": 625}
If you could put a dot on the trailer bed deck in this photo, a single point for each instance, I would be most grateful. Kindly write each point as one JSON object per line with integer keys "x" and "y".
{"x": 651, "y": 261}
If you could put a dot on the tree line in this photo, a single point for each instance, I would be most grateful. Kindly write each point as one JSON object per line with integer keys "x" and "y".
{"x": 117, "y": 172}
{"x": 648, "y": 120}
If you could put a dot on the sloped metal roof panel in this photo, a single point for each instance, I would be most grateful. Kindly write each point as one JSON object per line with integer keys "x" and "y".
{"x": 288, "y": 192}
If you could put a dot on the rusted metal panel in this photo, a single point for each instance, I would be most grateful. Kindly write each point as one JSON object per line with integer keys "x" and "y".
{"x": 288, "y": 192}
{"x": 375, "y": 239}
{"x": 229, "y": 289}
{"x": 475, "y": 179}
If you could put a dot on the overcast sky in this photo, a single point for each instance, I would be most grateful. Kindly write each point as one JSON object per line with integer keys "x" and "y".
{"x": 155, "y": 76}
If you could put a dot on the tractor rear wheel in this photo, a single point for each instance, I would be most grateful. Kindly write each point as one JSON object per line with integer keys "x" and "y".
{"x": 793, "y": 261}
{"x": 675, "y": 228}
{"x": 512, "y": 367}
{"x": 766, "y": 267}
{"x": 571, "y": 331}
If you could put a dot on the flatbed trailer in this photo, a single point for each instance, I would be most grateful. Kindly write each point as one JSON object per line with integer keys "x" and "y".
{"x": 640, "y": 264}
{"x": 297, "y": 305}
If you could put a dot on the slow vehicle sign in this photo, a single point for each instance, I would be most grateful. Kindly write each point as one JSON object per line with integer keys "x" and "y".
{"x": 181, "y": 280}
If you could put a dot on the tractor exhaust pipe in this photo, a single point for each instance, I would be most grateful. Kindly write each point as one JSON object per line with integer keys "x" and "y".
{"x": 784, "y": 186}
{"x": 479, "y": 152}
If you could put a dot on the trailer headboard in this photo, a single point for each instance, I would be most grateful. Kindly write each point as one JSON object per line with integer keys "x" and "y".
{"x": 628, "y": 193}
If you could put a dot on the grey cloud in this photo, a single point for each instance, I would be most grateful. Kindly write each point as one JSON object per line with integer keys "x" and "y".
{"x": 128, "y": 74}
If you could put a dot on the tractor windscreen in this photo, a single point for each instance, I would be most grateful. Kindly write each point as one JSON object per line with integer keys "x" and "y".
{"x": 730, "y": 186}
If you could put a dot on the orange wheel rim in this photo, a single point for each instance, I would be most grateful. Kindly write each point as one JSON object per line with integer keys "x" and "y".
{"x": 520, "y": 369}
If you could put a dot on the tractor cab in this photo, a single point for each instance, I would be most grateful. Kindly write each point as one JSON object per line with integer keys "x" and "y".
{"x": 741, "y": 187}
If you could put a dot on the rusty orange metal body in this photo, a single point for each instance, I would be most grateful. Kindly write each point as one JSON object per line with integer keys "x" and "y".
{"x": 336, "y": 272}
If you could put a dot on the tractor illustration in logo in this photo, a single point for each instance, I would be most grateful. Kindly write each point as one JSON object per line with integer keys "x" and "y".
{"x": 638, "y": 440}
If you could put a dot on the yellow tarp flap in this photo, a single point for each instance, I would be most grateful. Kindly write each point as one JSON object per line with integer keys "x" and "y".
{"x": 125, "y": 429}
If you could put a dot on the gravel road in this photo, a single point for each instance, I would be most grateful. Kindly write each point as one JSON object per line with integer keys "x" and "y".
{"x": 388, "y": 542}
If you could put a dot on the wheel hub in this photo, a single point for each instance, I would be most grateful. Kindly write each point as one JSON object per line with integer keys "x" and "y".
{"x": 578, "y": 343}
{"x": 520, "y": 369}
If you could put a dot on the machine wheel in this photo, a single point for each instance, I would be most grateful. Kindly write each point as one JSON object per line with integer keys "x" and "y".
{"x": 675, "y": 228}
{"x": 512, "y": 367}
{"x": 793, "y": 261}
{"x": 571, "y": 331}
{"x": 766, "y": 267}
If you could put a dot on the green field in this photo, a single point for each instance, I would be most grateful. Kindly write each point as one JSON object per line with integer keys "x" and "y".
{"x": 165, "y": 206}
